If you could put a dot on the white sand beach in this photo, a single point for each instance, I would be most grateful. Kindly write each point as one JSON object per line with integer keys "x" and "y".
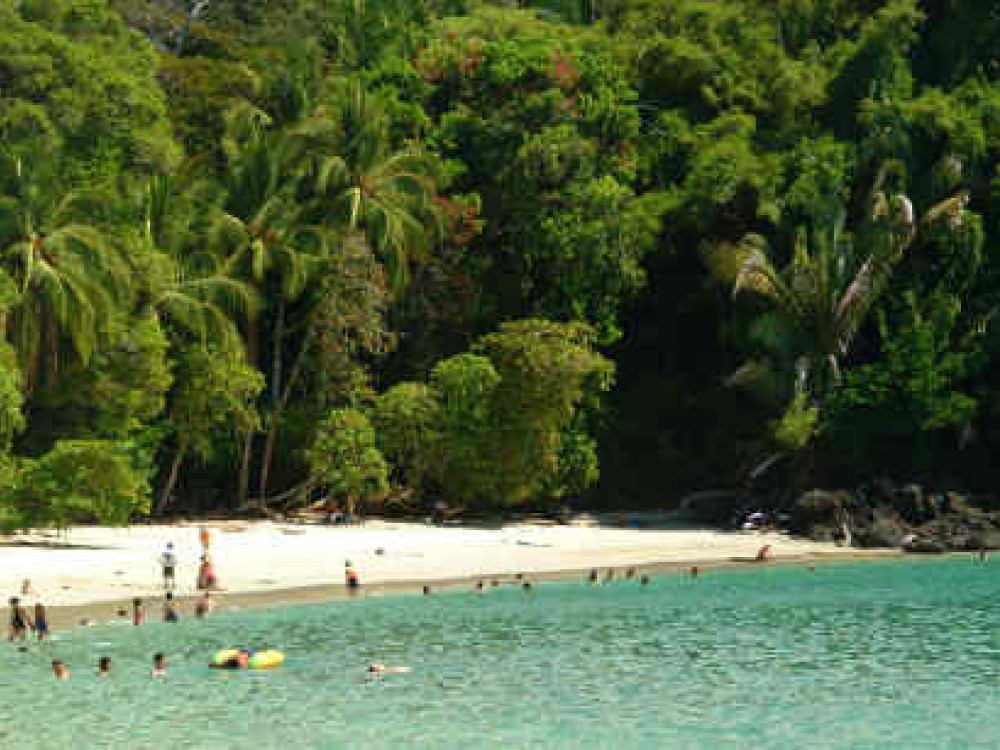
{"x": 89, "y": 564}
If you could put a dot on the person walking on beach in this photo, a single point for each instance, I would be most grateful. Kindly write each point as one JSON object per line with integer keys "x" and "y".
{"x": 169, "y": 562}
{"x": 206, "y": 574}
{"x": 41, "y": 622}
{"x": 351, "y": 578}
{"x": 19, "y": 620}
{"x": 138, "y": 612}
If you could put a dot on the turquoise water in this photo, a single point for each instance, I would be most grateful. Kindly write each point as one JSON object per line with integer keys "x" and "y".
{"x": 886, "y": 654}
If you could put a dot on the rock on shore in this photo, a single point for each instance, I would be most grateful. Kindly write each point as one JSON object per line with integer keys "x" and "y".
{"x": 879, "y": 514}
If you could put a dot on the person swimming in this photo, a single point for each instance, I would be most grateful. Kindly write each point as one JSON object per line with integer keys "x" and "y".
{"x": 239, "y": 660}
{"x": 59, "y": 670}
{"x": 104, "y": 666}
{"x": 376, "y": 668}
{"x": 159, "y": 665}
{"x": 644, "y": 580}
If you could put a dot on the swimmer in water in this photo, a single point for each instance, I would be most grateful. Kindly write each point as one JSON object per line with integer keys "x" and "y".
{"x": 644, "y": 580}
{"x": 59, "y": 670}
{"x": 592, "y": 578}
{"x": 427, "y": 590}
{"x": 104, "y": 666}
{"x": 240, "y": 660}
{"x": 694, "y": 571}
{"x": 376, "y": 668}
{"x": 159, "y": 666}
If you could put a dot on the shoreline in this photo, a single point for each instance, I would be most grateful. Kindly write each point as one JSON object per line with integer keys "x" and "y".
{"x": 102, "y": 612}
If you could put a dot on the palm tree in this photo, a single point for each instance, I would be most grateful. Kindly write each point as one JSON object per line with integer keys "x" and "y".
{"x": 822, "y": 297}
{"x": 262, "y": 232}
{"x": 366, "y": 186}
{"x": 64, "y": 269}
{"x": 184, "y": 292}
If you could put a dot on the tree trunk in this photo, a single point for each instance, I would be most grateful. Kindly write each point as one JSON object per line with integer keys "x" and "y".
{"x": 245, "y": 469}
{"x": 276, "y": 415}
{"x": 175, "y": 468}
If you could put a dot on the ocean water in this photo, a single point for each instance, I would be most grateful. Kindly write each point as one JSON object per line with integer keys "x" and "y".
{"x": 884, "y": 654}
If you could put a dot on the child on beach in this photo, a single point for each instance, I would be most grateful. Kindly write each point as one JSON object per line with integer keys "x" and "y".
{"x": 138, "y": 612}
{"x": 19, "y": 620}
{"x": 41, "y": 622}
{"x": 169, "y": 562}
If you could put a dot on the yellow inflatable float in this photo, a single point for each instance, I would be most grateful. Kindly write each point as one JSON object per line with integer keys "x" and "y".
{"x": 228, "y": 658}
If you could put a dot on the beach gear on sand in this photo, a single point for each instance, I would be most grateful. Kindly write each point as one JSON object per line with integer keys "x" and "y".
{"x": 258, "y": 659}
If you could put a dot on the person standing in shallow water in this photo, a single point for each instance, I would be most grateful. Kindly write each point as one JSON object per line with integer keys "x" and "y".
{"x": 138, "y": 612}
{"x": 59, "y": 670}
{"x": 41, "y": 622}
{"x": 169, "y": 609}
{"x": 19, "y": 620}
{"x": 104, "y": 666}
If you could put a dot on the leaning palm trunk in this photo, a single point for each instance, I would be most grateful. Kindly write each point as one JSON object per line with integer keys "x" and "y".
{"x": 175, "y": 467}
{"x": 277, "y": 415}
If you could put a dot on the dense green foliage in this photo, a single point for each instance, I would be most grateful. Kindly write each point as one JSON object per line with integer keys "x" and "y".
{"x": 491, "y": 252}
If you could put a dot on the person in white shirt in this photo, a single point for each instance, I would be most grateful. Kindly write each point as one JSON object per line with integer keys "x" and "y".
{"x": 169, "y": 562}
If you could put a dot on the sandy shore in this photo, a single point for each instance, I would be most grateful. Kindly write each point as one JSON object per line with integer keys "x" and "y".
{"x": 266, "y": 563}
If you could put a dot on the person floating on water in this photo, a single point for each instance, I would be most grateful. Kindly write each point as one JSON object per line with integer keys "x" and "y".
{"x": 41, "y": 622}
{"x": 159, "y": 666}
{"x": 239, "y": 660}
{"x": 19, "y": 620}
{"x": 168, "y": 560}
{"x": 376, "y": 668}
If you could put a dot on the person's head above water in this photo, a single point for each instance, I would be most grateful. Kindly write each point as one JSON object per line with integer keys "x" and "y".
{"x": 104, "y": 665}
{"x": 159, "y": 664}
{"x": 59, "y": 670}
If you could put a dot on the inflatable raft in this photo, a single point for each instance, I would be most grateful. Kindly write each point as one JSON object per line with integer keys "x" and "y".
{"x": 258, "y": 659}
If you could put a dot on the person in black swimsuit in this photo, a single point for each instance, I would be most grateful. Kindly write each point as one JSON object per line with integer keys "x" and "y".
{"x": 19, "y": 620}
